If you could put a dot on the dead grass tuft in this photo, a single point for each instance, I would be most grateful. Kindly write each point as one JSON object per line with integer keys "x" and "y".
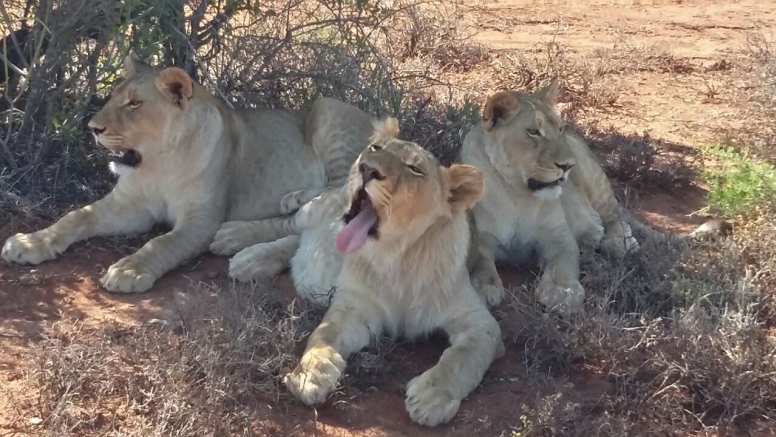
{"x": 211, "y": 369}
{"x": 679, "y": 338}
{"x": 753, "y": 84}
{"x": 431, "y": 36}
{"x": 591, "y": 82}
{"x": 640, "y": 162}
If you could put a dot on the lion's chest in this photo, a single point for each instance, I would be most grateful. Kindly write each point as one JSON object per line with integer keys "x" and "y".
{"x": 416, "y": 307}
{"x": 514, "y": 220}
{"x": 167, "y": 196}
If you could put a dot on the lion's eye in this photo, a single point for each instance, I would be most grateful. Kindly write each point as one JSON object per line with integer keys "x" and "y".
{"x": 415, "y": 170}
{"x": 561, "y": 129}
{"x": 533, "y": 132}
{"x": 133, "y": 104}
{"x": 375, "y": 147}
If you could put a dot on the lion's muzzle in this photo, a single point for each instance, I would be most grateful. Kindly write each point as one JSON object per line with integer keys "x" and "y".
{"x": 535, "y": 185}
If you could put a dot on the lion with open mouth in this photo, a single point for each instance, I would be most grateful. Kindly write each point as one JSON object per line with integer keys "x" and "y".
{"x": 405, "y": 247}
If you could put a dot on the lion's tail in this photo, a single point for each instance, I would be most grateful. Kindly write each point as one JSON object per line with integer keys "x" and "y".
{"x": 710, "y": 229}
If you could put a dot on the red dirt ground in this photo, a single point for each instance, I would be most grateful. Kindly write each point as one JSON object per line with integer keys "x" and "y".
{"x": 670, "y": 107}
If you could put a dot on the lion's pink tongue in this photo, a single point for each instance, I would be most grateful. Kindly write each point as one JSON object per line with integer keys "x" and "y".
{"x": 354, "y": 234}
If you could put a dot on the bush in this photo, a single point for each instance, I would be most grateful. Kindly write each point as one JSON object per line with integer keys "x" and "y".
{"x": 740, "y": 185}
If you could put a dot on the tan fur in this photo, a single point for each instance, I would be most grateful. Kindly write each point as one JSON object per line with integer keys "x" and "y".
{"x": 200, "y": 164}
{"x": 521, "y": 138}
{"x": 409, "y": 279}
{"x": 316, "y": 264}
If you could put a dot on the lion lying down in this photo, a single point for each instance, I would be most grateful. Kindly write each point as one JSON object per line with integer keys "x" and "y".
{"x": 406, "y": 239}
{"x": 185, "y": 159}
{"x": 546, "y": 195}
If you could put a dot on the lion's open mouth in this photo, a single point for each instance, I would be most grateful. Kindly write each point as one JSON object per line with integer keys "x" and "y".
{"x": 535, "y": 185}
{"x": 360, "y": 223}
{"x": 129, "y": 157}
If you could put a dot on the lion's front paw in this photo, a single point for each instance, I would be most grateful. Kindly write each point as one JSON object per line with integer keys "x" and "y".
{"x": 291, "y": 202}
{"x": 618, "y": 246}
{"x": 429, "y": 400}
{"x": 316, "y": 376}
{"x": 563, "y": 298}
{"x": 490, "y": 288}
{"x": 30, "y": 248}
{"x": 126, "y": 276}
{"x": 256, "y": 263}
{"x": 230, "y": 238}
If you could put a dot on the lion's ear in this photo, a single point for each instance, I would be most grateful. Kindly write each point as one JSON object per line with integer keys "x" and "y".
{"x": 549, "y": 94}
{"x": 502, "y": 106}
{"x": 385, "y": 129}
{"x": 466, "y": 186}
{"x": 176, "y": 85}
{"x": 133, "y": 65}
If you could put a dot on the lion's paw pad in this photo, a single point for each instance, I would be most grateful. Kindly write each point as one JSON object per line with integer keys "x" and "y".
{"x": 291, "y": 202}
{"x": 492, "y": 294}
{"x": 256, "y": 263}
{"x": 313, "y": 382}
{"x": 618, "y": 246}
{"x": 428, "y": 403}
{"x": 28, "y": 249}
{"x": 561, "y": 298}
{"x": 124, "y": 277}
{"x": 229, "y": 239}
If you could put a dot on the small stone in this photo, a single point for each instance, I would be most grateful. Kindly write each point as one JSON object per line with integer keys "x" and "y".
{"x": 36, "y": 421}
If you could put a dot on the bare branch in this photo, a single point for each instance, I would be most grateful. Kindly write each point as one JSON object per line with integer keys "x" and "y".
{"x": 205, "y": 71}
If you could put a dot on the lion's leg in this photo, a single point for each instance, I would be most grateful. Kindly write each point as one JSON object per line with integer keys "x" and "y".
{"x": 111, "y": 215}
{"x": 136, "y": 273}
{"x": 263, "y": 260}
{"x": 291, "y": 202}
{"x": 559, "y": 287}
{"x": 475, "y": 341}
{"x": 315, "y": 205}
{"x": 342, "y": 332}
{"x": 592, "y": 180}
{"x": 233, "y": 237}
{"x": 618, "y": 238}
{"x": 484, "y": 276}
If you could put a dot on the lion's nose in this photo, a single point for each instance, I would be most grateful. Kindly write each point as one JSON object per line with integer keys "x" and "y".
{"x": 368, "y": 173}
{"x": 565, "y": 167}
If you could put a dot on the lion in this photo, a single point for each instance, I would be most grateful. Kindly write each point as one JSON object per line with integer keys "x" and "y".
{"x": 316, "y": 264}
{"x": 403, "y": 250}
{"x": 545, "y": 192}
{"x": 185, "y": 159}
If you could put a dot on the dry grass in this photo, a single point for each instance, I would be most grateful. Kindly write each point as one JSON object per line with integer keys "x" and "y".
{"x": 680, "y": 341}
{"x": 641, "y": 163}
{"x": 593, "y": 82}
{"x": 210, "y": 370}
{"x": 754, "y": 84}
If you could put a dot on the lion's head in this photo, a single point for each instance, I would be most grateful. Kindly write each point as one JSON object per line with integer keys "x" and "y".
{"x": 141, "y": 111}
{"x": 525, "y": 141}
{"x": 397, "y": 190}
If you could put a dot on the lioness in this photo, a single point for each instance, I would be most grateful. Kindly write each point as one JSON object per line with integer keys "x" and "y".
{"x": 406, "y": 238}
{"x": 183, "y": 158}
{"x": 316, "y": 264}
{"x": 545, "y": 192}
